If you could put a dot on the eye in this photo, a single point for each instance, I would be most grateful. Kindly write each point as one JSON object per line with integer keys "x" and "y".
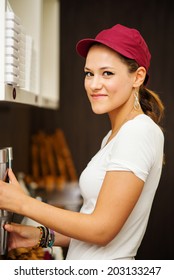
{"x": 108, "y": 73}
{"x": 88, "y": 74}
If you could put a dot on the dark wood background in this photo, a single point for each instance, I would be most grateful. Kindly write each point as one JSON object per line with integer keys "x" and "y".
{"x": 84, "y": 130}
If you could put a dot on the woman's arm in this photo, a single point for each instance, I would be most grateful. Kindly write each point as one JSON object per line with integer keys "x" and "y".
{"x": 117, "y": 198}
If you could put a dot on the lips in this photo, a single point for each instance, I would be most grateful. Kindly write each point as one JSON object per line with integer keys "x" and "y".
{"x": 98, "y": 95}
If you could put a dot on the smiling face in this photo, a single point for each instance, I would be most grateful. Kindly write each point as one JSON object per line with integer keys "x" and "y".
{"x": 108, "y": 83}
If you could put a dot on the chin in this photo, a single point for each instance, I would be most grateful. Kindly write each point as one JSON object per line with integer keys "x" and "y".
{"x": 99, "y": 109}
{"x": 98, "y": 112}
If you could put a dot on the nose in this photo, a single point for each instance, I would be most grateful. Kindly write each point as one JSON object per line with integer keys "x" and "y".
{"x": 96, "y": 83}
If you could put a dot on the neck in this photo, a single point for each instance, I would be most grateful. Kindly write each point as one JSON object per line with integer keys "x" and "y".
{"x": 121, "y": 118}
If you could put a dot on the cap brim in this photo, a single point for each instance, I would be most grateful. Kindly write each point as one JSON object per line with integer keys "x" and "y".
{"x": 83, "y": 46}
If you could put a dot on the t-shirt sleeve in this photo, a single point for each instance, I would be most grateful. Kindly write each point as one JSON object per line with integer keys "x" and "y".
{"x": 133, "y": 150}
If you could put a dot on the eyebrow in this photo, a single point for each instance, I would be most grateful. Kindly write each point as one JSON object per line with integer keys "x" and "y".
{"x": 102, "y": 68}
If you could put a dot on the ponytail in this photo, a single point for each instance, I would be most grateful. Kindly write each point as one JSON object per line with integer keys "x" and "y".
{"x": 151, "y": 104}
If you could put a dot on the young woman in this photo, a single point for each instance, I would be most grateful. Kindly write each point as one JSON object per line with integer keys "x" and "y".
{"x": 119, "y": 183}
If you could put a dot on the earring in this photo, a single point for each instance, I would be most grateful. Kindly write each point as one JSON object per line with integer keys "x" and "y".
{"x": 136, "y": 102}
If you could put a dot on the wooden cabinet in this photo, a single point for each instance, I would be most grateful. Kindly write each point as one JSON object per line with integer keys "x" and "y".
{"x": 30, "y": 75}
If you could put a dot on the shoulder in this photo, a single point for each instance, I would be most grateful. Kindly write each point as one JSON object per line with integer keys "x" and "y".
{"x": 142, "y": 126}
{"x": 138, "y": 145}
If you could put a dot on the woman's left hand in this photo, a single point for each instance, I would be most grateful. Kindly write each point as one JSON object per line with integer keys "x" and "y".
{"x": 22, "y": 236}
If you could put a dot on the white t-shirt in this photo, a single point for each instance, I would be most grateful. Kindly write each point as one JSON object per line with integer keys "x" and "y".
{"x": 138, "y": 148}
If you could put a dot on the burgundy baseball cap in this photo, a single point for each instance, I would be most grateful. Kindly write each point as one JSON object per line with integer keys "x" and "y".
{"x": 126, "y": 41}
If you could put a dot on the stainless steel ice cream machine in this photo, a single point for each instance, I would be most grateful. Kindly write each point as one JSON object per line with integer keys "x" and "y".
{"x": 6, "y": 157}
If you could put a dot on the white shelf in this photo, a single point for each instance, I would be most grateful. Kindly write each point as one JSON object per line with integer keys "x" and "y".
{"x": 17, "y": 95}
{"x": 40, "y": 20}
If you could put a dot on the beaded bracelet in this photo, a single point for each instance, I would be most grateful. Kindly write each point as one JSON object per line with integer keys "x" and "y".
{"x": 44, "y": 236}
{"x": 40, "y": 237}
{"x": 47, "y": 237}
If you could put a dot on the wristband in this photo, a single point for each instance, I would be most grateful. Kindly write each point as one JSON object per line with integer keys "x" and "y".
{"x": 51, "y": 238}
{"x": 47, "y": 237}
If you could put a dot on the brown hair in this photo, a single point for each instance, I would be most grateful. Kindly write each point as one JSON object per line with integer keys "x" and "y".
{"x": 150, "y": 101}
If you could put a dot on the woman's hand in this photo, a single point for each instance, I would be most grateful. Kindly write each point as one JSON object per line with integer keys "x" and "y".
{"x": 22, "y": 236}
{"x": 11, "y": 194}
